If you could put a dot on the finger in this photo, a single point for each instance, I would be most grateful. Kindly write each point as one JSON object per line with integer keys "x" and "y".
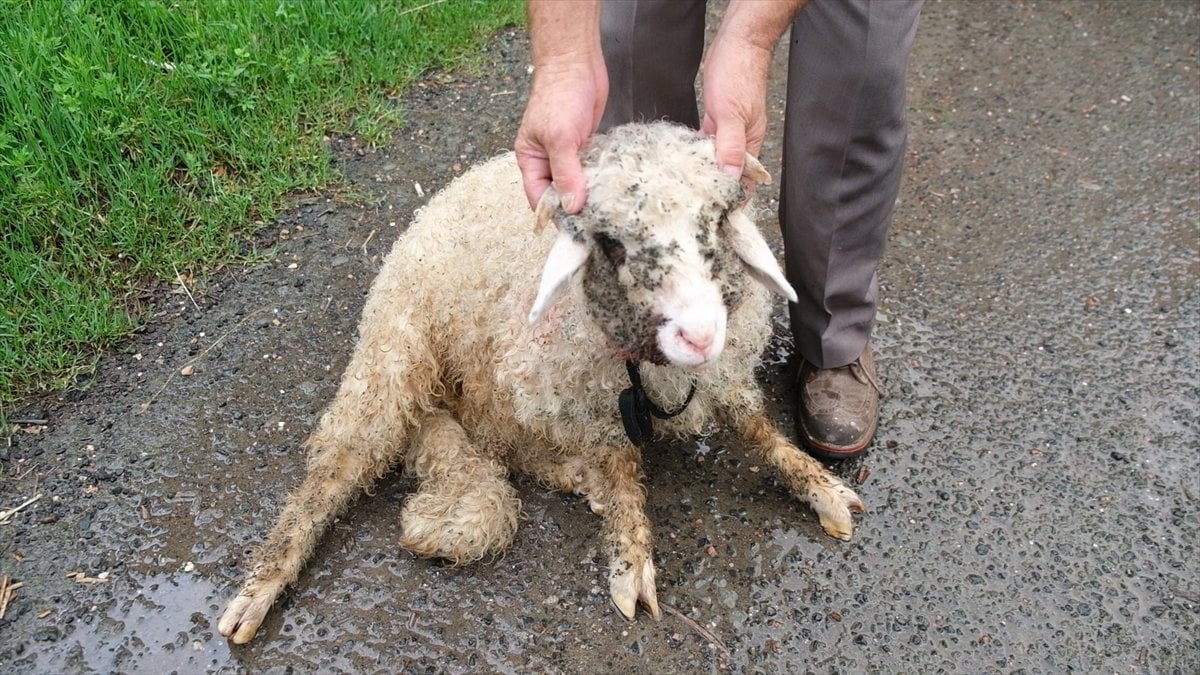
{"x": 535, "y": 177}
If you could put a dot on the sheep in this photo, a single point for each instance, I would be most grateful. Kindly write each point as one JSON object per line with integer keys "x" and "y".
{"x": 470, "y": 365}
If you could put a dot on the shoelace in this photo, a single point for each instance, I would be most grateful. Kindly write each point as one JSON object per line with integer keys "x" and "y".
{"x": 863, "y": 375}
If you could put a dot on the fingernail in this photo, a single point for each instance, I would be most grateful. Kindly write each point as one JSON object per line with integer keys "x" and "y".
{"x": 732, "y": 171}
{"x": 567, "y": 199}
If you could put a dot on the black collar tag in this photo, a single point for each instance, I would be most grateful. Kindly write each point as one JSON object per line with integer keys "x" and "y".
{"x": 636, "y": 407}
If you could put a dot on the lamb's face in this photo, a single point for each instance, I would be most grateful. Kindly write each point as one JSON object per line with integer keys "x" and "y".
{"x": 663, "y": 293}
{"x": 664, "y": 246}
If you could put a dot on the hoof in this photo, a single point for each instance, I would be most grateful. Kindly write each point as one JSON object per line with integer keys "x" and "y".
{"x": 246, "y": 612}
{"x": 634, "y": 584}
{"x": 833, "y": 504}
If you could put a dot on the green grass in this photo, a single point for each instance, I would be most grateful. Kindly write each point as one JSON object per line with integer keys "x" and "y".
{"x": 139, "y": 138}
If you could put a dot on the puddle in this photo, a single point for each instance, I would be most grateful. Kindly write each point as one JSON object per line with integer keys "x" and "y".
{"x": 163, "y": 628}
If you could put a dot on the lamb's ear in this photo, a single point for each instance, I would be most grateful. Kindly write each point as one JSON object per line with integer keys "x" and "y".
{"x": 755, "y": 171}
{"x": 753, "y": 175}
{"x": 567, "y": 255}
{"x": 750, "y": 246}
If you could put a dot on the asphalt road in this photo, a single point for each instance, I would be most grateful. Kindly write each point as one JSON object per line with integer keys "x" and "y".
{"x": 1033, "y": 493}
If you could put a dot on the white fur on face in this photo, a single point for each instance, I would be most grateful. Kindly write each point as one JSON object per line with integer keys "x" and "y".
{"x": 690, "y": 300}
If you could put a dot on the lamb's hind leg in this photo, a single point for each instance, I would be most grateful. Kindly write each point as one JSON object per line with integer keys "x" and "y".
{"x": 360, "y": 435}
{"x": 805, "y": 477}
{"x": 465, "y": 508}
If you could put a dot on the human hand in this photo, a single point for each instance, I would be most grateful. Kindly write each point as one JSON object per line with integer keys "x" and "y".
{"x": 735, "y": 92}
{"x": 735, "y": 78}
{"x": 565, "y": 105}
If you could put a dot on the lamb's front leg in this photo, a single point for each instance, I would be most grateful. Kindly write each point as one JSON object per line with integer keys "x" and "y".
{"x": 336, "y": 472}
{"x": 361, "y": 434}
{"x": 622, "y": 499}
{"x": 805, "y": 477}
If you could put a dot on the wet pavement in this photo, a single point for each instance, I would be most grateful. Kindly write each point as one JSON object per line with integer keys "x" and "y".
{"x": 1033, "y": 493}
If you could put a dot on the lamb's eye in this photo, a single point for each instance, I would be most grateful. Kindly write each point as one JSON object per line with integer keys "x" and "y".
{"x": 612, "y": 249}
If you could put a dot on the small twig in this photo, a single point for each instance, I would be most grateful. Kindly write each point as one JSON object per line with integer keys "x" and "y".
{"x": 7, "y": 591}
{"x": 164, "y": 65}
{"x": 146, "y": 406}
{"x": 28, "y": 421}
{"x": 23, "y": 473}
{"x": 420, "y": 7}
{"x": 302, "y": 237}
{"x": 5, "y": 516}
{"x": 179, "y": 278}
{"x": 704, "y": 632}
{"x": 81, "y": 578}
{"x": 367, "y": 241}
{"x": 28, "y": 470}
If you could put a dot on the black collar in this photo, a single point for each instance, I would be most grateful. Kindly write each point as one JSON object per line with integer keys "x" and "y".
{"x": 636, "y": 407}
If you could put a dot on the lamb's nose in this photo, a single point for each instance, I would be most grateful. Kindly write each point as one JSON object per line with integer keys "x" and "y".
{"x": 699, "y": 341}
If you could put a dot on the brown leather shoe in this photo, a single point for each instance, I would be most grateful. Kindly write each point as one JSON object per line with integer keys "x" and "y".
{"x": 838, "y": 408}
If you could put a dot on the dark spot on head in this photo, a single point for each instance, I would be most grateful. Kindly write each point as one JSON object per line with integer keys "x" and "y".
{"x": 571, "y": 224}
{"x": 648, "y": 265}
{"x": 612, "y": 249}
{"x": 616, "y": 283}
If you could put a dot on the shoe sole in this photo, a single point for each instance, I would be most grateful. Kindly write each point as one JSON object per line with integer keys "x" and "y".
{"x": 835, "y": 452}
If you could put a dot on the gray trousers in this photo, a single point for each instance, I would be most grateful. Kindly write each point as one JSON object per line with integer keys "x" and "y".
{"x": 844, "y": 137}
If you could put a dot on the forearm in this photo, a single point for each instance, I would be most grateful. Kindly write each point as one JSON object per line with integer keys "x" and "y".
{"x": 564, "y": 33}
{"x": 758, "y": 23}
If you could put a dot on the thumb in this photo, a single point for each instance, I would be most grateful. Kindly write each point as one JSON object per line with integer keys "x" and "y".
{"x": 568, "y": 180}
{"x": 730, "y": 143}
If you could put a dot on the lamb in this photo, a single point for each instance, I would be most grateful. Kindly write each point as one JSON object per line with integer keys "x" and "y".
{"x": 468, "y": 367}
